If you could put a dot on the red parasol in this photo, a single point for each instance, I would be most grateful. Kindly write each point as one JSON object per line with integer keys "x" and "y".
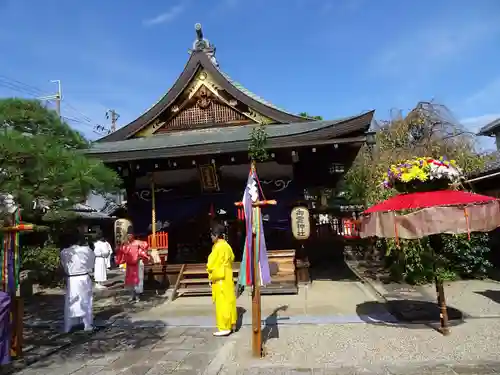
{"x": 429, "y": 199}
{"x": 441, "y": 211}
{"x": 435, "y": 212}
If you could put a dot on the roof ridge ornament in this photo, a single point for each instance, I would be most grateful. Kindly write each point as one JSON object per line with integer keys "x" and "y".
{"x": 202, "y": 44}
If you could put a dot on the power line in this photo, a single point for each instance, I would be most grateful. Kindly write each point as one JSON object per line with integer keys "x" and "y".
{"x": 34, "y": 92}
{"x": 21, "y": 86}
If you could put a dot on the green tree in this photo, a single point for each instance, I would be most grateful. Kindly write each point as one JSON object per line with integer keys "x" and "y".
{"x": 305, "y": 114}
{"x": 427, "y": 130}
{"x": 31, "y": 117}
{"x": 41, "y": 159}
{"x": 258, "y": 143}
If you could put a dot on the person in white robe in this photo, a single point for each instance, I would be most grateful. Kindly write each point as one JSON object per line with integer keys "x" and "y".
{"x": 102, "y": 251}
{"x": 77, "y": 262}
{"x": 108, "y": 259}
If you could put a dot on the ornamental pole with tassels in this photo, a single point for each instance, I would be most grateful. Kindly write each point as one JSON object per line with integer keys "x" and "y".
{"x": 9, "y": 275}
{"x": 254, "y": 270}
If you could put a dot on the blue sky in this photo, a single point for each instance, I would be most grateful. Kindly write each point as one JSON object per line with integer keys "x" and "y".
{"x": 328, "y": 57}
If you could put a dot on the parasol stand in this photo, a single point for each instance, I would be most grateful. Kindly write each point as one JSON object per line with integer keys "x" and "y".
{"x": 10, "y": 269}
{"x": 256, "y": 300}
{"x": 434, "y": 213}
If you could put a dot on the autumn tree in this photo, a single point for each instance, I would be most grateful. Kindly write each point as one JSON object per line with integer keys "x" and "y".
{"x": 429, "y": 130}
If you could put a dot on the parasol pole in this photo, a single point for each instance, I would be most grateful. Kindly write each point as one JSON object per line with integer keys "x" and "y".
{"x": 256, "y": 297}
{"x": 441, "y": 300}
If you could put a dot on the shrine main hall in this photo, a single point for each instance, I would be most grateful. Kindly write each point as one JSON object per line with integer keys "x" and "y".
{"x": 185, "y": 161}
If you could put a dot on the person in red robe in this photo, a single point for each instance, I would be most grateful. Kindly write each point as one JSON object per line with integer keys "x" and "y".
{"x": 133, "y": 253}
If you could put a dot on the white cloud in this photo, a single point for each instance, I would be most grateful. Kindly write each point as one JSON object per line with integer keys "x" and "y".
{"x": 165, "y": 17}
{"x": 432, "y": 46}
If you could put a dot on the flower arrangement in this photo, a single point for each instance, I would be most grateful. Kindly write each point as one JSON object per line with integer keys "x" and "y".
{"x": 423, "y": 171}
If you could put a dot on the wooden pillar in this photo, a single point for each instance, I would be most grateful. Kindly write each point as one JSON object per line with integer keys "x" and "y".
{"x": 17, "y": 311}
{"x": 153, "y": 212}
{"x": 16, "y": 303}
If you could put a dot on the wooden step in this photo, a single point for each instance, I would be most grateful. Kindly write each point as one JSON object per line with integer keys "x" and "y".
{"x": 202, "y": 272}
{"x": 280, "y": 288}
{"x": 200, "y": 291}
{"x": 200, "y": 281}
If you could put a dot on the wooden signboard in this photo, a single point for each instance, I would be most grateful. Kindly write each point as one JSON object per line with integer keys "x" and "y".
{"x": 209, "y": 179}
{"x": 301, "y": 224}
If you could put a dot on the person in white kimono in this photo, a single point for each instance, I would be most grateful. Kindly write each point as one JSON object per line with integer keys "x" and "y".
{"x": 77, "y": 262}
{"x": 102, "y": 252}
{"x": 110, "y": 256}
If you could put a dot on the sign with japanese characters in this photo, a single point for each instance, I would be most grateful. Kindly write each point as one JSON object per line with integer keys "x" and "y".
{"x": 301, "y": 224}
{"x": 209, "y": 178}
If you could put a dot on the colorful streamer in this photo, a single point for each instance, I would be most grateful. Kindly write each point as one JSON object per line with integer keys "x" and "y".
{"x": 253, "y": 224}
{"x": 10, "y": 258}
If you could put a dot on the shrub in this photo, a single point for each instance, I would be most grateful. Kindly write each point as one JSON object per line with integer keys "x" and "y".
{"x": 44, "y": 262}
{"x": 469, "y": 259}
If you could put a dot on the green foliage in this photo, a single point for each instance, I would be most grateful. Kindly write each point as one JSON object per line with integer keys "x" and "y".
{"x": 413, "y": 261}
{"x": 41, "y": 161}
{"x": 467, "y": 258}
{"x": 30, "y": 117}
{"x": 258, "y": 142}
{"x": 305, "y": 114}
{"x": 44, "y": 262}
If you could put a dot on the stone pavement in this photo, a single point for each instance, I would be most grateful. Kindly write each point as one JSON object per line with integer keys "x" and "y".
{"x": 367, "y": 345}
{"x": 136, "y": 351}
{"x": 44, "y": 318}
{"x": 470, "y": 299}
{"x": 308, "y": 307}
{"x": 469, "y": 368}
{"x": 475, "y": 298}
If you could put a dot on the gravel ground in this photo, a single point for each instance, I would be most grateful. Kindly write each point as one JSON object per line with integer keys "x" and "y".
{"x": 370, "y": 345}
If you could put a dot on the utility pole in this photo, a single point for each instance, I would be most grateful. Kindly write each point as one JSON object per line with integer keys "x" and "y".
{"x": 114, "y": 116}
{"x": 57, "y": 97}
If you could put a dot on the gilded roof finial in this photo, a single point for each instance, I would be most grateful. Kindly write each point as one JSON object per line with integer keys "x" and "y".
{"x": 199, "y": 31}
{"x": 202, "y": 44}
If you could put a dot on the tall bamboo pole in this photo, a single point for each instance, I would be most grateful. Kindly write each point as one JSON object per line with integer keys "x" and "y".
{"x": 256, "y": 296}
{"x": 256, "y": 299}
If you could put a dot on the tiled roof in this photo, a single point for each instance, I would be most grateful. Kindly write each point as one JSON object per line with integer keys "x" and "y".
{"x": 210, "y": 141}
{"x": 216, "y": 135}
{"x": 491, "y": 128}
{"x": 493, "y": 165}
{"x": 252, "y": 95}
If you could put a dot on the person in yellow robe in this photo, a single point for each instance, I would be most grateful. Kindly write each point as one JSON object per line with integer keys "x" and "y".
{"x": 220, "y": 274}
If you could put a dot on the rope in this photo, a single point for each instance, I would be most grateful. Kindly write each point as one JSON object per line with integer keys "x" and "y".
{"x": 467, "y": 223}
{"x": 396, "y": 234}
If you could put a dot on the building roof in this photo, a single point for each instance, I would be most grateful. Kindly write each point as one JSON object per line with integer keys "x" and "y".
{"x": 491, "y": 128}
{"x": 228, "y": 139}
{"x": 202, "y": 57}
